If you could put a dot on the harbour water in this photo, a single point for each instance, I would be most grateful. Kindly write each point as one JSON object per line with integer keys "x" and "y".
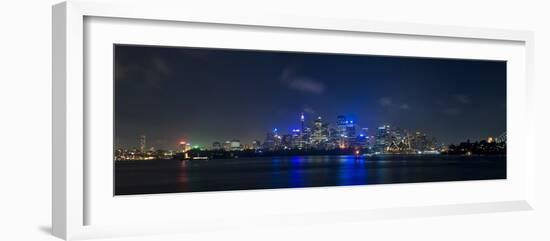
{"x": 170, "y": 176}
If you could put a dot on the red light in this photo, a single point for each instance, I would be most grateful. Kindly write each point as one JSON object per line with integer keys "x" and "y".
{"x": 182, "y": 142}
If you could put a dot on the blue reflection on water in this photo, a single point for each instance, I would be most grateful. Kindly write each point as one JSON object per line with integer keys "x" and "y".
{"x": 296, "y": 171}
{"x": 276, "y": 172}
{"x": 352, "y": 171}
{"x": 302, "y": 171}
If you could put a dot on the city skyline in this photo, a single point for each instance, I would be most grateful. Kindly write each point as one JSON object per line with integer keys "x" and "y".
{"x": 320, "y": 138}
{"x": 336, "y": 129}
{"x": 207, "y": 95}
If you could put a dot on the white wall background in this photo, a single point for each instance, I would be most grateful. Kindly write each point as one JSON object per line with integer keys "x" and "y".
{"x": 25, "y": 120}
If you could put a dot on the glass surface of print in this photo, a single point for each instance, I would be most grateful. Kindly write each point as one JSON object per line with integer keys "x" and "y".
{"x": 204, "y": 119}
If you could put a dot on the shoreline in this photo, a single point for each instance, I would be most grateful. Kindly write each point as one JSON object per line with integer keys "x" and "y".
{"x": 361, "y": 156}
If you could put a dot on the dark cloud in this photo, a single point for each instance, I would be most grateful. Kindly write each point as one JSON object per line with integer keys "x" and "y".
{"x": 309, "y": 110}
{"x": 404, "y": 106}
{"x": 301, "y": 83}
{"x": 385, "y": 101}
{"x": 160, "y": 66}
{"x": 388, "y": 102}
{"x": 452, "y": 111}
{"x": 462, "y": 99}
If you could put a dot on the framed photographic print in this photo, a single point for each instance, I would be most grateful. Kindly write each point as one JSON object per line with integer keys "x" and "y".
{"x": 210, "y": 119}
{"x": 280, "y": 118}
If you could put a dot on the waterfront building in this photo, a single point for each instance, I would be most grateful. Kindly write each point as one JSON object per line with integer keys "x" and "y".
{"x": 226, "y": 146}
{"x": 216, "y": 146}
{"x": 501, "y": 139}
{"x": 235, "y": 145}
{"x": 184, "y": 146}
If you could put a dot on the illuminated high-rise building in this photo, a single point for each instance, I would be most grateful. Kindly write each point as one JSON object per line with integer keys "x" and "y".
{"x": 346, "y": 131}
{"x": 365, "y": 131}
{"x": 272, "y": 140}
{"x": 382, "y": 138}
{"x": 296, "y": 140}
{"x": 341, "y": 125}
{"x": 350, "y": 129}
{"x": 185, "y": 146}
{"x": 236, "y": 145}
{"x": 320, "y": 132}
{"x": 226, "y": 146}
{"x": 340, "y": 135}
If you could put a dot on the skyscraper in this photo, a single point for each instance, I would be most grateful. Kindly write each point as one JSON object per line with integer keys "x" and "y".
{"x": 340, "y": 135}
{"x": 350, "y": 129}
{"x": 382, "y": 138}
{"x": 341, "y": 125}
{"x": 320, "y": 132}
{"x": 272, "y": 140}
{"x": 346, "y": 131}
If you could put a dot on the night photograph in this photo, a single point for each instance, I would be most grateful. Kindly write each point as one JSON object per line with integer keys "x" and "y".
{"x": 193, "y": 119}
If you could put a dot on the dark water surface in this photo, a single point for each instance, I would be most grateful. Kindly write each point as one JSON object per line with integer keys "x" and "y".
{"x": 168, "y": 176}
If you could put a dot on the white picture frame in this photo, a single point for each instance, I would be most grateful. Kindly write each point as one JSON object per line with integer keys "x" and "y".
{"x": 72, "y": 191}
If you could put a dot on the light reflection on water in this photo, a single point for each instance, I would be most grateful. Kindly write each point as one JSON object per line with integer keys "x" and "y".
{"x": 296, "y": 178}
{"x": 299, "y": 171}
{"x": 183, "y": 178}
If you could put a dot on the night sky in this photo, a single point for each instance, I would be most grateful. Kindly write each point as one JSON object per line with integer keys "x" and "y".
{"x": 205, "y": 95}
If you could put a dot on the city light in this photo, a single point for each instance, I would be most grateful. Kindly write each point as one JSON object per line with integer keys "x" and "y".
{"x": 320, "y": 137}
